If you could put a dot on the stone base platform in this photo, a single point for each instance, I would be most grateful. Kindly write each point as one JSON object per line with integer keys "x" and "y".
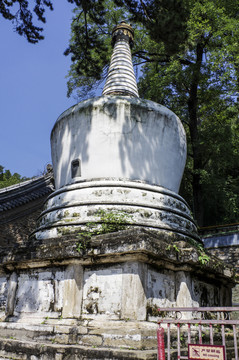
{"x": 101, "y": 302}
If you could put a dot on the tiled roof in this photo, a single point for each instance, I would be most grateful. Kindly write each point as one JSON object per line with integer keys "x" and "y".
{"x": 24, "y": 192}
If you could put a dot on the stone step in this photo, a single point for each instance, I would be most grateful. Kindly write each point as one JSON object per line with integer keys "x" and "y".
{"x": 27, "y": 350}
{"x": 94, "y": 333}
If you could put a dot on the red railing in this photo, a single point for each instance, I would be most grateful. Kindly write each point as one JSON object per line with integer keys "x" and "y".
{"x": 200, "y": 319}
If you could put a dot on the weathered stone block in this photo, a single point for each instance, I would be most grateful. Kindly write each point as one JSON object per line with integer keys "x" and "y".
{"x": 91, "y": 340}
{"x": 127, "y": 341}
{"x": 60, "y": 339}
{"x": 58, "y": 357}
{"x": 72, "y": 293}
{"x": 4, "y": 285}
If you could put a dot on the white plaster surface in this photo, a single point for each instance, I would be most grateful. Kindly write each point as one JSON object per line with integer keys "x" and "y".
{"x": 130, "y": 290}
{"x": 184, "y": 290}
{"x": 102, "y": 292}
{"x": 134, "y": 284}
{"x": 72, "y": 207}
{"x": 132, "y": 154}
{"x": 121, "y": 137}
{"x": 3, "y": 293}
{"x": 29, "y": 288}
{"x": 161, "y": 288}
{"x": 38, "y": 292}
{"x": 116, "y": 191}
{"x": 59, "y": 277}
{"x": 12, "y": 287}
{"x": 121, "y": 75}
{"x": 72, "y": 292}
{"x": 125, "y": 291}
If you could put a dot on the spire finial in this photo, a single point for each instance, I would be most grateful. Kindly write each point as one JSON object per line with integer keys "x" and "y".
{"x": 121, "y": 78}
{"x": 123, "y": 31}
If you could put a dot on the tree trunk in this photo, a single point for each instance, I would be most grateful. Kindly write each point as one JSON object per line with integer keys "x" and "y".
{"x": 193, "y": 126}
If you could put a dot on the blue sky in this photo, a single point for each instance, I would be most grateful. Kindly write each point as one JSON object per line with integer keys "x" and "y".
{"x": 33, "y": 91}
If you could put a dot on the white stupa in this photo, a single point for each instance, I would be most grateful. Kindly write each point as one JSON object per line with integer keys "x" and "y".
{"x": 69, "y": 296}
{"x": 118, "y": 152}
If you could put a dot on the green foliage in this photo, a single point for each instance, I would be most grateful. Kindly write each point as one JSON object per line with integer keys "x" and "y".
{"x": 7, "y": 179}
{"x": 108, "y": 221}
{"x": 174, "y": 247}
{"x": 203, "y": 257}
{"x": 21, "y": 15}
{"x": 112, "y": 221}
{"x": 90, "y": 45}
{"x": 165, "y": 21}
{"x": 199, "y": 84}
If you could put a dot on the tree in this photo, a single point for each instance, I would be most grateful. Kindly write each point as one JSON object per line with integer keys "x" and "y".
{"x": 198, "y": 83}
{"x": 22, "y": 15}
{"x": 90, "y": 46}
{"x": 19, "y": 13}
{"x": 8, "y": 179}
{"x": 189, "y": 55}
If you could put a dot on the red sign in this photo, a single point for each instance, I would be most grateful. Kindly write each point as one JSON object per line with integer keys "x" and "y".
{"x": 206, "y": 352}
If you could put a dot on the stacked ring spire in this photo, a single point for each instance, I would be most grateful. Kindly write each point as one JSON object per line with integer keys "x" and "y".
{"x": 121, "y": 77}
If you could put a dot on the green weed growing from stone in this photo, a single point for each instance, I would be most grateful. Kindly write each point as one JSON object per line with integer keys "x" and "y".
{"x": 109, "y": 221}
{"x": 174, "y": 247}
{"x": 203, "y": 257}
